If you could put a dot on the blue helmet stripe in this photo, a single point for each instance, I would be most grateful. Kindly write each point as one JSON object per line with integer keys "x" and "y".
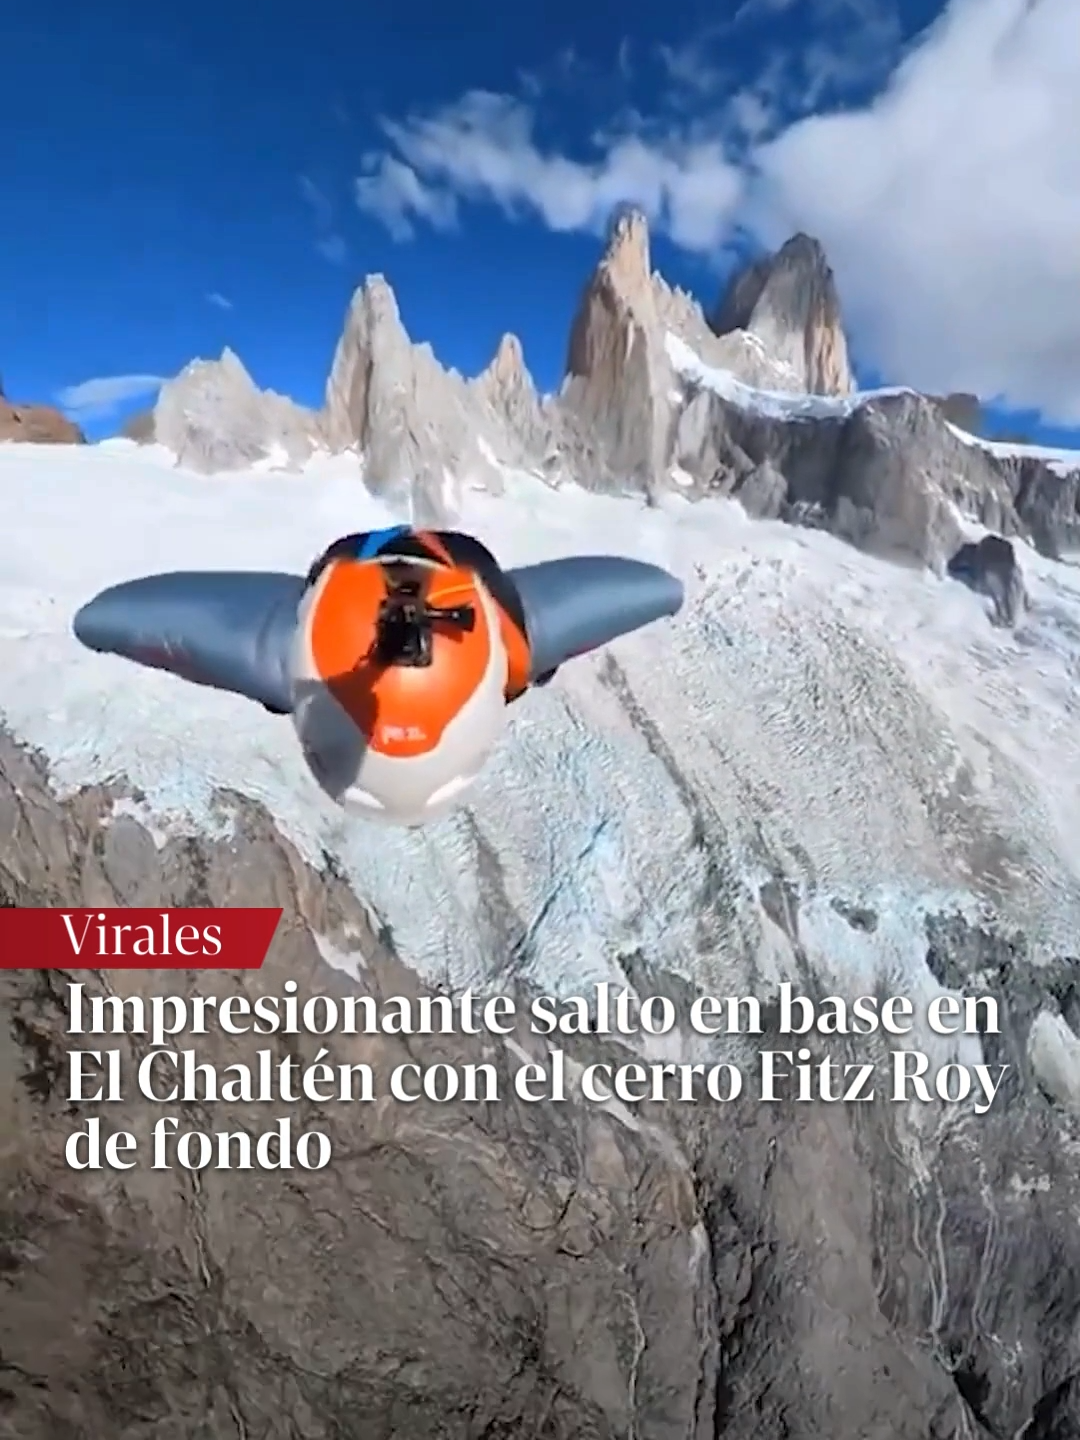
{"x": 374, "y": 540}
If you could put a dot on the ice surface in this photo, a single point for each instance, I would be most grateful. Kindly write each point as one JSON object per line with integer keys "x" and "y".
{"x": 778, "y": 404}
{"x": 1062, "y": 462}
{"x": 858, "y": 727}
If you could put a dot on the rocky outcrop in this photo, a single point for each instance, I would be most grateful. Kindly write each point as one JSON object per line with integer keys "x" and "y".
{"x": 215, "y": 418}
{"x": 618, "y": 377}
{"x": 423, "y": 431}
{"x": 1047, "y": 500}
{"x": 619, "y": 401}
{"x": 785, "y": 432}
{"x": 38, "y": 425}
{"x": 789, "y": 302}
{"x": 963, "y": 411}
{"x": 887, "y": 474}
{"x": 516, "y": 411}
{"x": 532, "y": 1271}
{"x": 990, "y": 567}
{"x": 885, "y": 470}
{"x": 139, "y": 427}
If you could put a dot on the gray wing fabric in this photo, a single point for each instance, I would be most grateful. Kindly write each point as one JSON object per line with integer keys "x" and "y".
{"x": 231, "y": 630}
{"x": 577, "y": 604}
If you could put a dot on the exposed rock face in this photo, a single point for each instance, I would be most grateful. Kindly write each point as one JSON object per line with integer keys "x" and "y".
{"x": 963, "y": 411}
{"x": 139, "y": 427}
{"x": 533, "y": 1271}
{"x": 789, "y": 302}
{"x": 887, "y": 471}
{"x": 1047, "y": 502}
{"x": 887, "y": 475}
{"x": 618, "y": 377}
{"x": 214, "y": 417}
{"x": 38, "y": 424}
{"x": 422, "y": 430}
{"x": 991, "y": 568}
{"x": 506, "y": 388}
{"x": 619, "y": 400}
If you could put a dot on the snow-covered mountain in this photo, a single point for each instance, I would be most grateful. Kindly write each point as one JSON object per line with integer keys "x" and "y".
{"x": 882, "y": 469}
{"x": 830, "y": 768}
{"x": 856, "y": 728}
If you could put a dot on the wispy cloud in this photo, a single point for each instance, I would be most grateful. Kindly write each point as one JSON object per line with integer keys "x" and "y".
{"x": 692, "y": 70}
{"x": 483, "y": 148}
{"x": 329, "y": 242}
{"x": 944, "y": 180}
{"x": 332, "y": 248}
{"x": 393, "y": 193}
{"x": 221, "y": 302}
{"x": 845, "y": 49}
{"x": 102, "y": 397}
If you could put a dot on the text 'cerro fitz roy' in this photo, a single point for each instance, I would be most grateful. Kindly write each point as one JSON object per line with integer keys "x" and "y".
{"x": 165, "y": 1072}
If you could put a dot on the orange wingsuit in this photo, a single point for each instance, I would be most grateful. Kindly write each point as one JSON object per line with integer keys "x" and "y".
{"x": 401, "y": 636}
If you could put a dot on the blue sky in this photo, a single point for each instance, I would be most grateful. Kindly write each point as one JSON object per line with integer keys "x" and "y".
{"x": 178, "y": 180}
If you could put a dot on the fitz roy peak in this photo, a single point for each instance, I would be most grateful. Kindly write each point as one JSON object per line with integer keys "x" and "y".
{"x": 760, "y": 403}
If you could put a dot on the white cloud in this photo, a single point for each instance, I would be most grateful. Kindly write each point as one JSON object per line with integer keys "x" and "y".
{"x": 483, "y": 148}
{"x": 691, "y": 69}
{"x": 328, "y": 242}
{"x": 853, "y": 45}
{"x": 393, "y": 193}
{"x": 100, "y": 398}
{"x": 949, "y": 204}
{"x": 219, "y": 301}
{"x": 863, "y": 45}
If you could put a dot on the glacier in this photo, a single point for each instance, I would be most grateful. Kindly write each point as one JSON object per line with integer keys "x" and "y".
{"x": 785, "y": 405}
{"x": 815, "y": 718}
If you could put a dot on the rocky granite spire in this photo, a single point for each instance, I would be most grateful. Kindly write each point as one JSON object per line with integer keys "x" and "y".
{"x": 214, "y": 417}
{"x": 618, "y": 378}
{"x": 789, "y": 301}
{"x": 760, "y": 406}
{"x": 508, "y": 391}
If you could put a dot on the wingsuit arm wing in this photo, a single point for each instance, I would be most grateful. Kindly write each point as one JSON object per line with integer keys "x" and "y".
{"x": 230, "y": 630}
{"x": 579, "y": 603}
{"x": 233, "y": 630}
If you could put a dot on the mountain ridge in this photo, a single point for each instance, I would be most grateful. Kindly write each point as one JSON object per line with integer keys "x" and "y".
{"x": 888, "y": 469}
{"x": 826, "y": 770}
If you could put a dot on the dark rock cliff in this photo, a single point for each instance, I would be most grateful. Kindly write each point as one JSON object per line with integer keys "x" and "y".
{"x": 526, "y": 1272}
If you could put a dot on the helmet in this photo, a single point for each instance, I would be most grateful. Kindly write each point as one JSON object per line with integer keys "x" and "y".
{"x": 398, "y": 673}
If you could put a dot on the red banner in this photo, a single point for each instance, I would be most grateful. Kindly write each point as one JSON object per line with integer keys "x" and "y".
{"x": 177, "y": 939}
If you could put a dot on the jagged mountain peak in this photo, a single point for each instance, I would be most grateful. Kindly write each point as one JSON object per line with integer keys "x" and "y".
{"x": 507, "y": 366}
{"x": 802, "y": 249}
{"x": 376, "y": 297}
{"x": 214, "y": 417}
{"x": 761, "y": 404}
{"x": 626, "y": 262}
{"x": 789, "y": 300}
